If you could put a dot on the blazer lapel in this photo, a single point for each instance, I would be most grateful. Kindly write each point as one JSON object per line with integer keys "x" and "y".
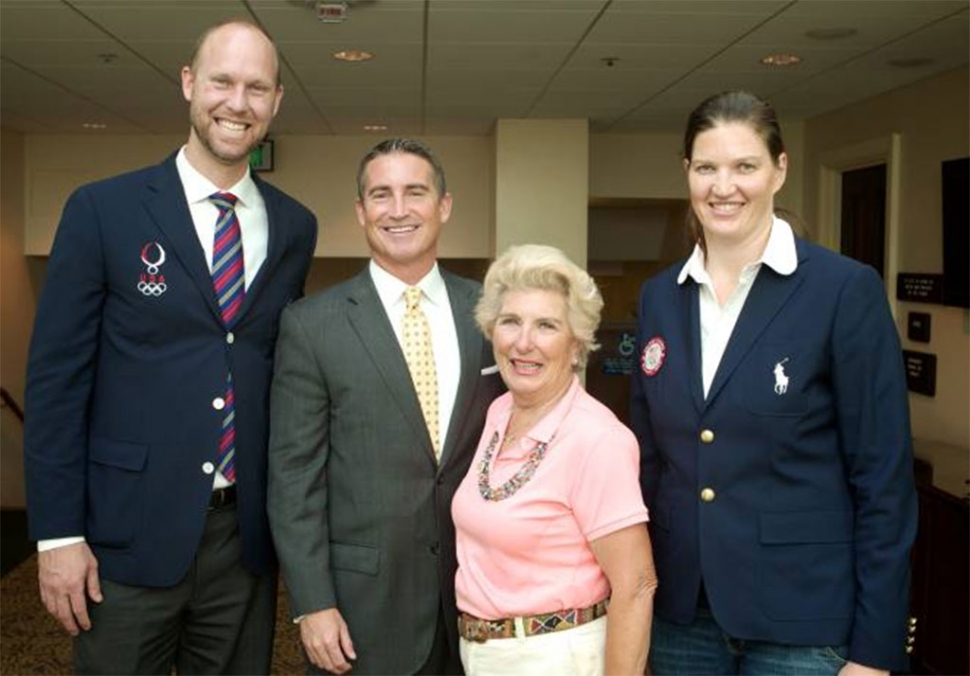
{"x": 691, "y": 325}
{"x": 165, "y": 202}
{"x": 376, "y": 335}
{"x": 470, "y": 348}
{"x": 274, "y": 248}
{"x": 768, "y": 295}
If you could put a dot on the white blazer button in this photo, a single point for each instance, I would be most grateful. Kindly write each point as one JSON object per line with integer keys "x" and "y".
{"x": 208, "y": 467}
{"x": 708, "y": 495}
{"x": 707, "y": 436}
{"x": 218, "y": 403}
{"x": 230, "y": 338}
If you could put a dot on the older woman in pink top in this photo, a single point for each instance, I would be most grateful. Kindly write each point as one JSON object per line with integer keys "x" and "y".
{"x": 555, "y": 569}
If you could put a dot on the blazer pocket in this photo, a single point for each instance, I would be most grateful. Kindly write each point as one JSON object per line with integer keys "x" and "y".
{"x": 805, "y": 567}
{"x": 355, "y": 558}
{"x": 115, "y": 495}
{"x": 121, "y": 454}
{"x": 775, "y": 380}
{"x": 782, "y": 528}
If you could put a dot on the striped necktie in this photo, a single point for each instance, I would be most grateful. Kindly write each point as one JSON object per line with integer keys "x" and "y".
{"x": 229, "y": 281}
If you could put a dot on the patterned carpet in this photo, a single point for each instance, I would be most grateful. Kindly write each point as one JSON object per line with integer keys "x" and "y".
{"x": 31, "y": 642}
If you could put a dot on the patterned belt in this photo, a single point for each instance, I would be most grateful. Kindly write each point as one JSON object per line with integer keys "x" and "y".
{"x": 474, "y": 629}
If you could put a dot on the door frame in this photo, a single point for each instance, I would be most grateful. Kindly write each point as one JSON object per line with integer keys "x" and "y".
{"x": 832, "y": 164}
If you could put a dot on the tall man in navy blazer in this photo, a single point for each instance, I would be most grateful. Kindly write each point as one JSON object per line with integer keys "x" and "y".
{"x": 147, "y": 395}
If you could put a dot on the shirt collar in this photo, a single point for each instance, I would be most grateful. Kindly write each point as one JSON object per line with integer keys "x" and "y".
{"x": 780, "y": 255}
{"x": 544, "y": 430}
{"x": 198, "y": 188}
{"x": 391, "y": 289}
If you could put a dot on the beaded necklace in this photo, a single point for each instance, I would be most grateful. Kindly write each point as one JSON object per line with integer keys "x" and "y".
{"x": 520, "y": 479}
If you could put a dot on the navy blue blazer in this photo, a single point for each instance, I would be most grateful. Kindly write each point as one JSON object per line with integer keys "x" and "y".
{"x": 120, "y": 421}
{"x": 804, "y": 531}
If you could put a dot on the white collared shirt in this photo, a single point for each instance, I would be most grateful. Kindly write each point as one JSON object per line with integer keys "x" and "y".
{"x": 444, "y": 336}
{"x": 250, "y": 210}
{"x": 717, "y": 321}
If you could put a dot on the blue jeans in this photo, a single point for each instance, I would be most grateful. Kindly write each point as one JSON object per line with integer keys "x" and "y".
{"x": 703, "y": 648}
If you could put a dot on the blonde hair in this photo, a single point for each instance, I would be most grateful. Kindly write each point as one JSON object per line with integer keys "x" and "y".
{"x": 538, "y": 267}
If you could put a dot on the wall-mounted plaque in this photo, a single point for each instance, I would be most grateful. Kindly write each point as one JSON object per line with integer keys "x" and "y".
{"x": 919, "y": 287}
{"x": 918, "y": 327}
{"x": 920, "y": 372}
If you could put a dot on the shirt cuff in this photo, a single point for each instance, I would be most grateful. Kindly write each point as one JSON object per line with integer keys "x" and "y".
{"x": 44, "y": 545}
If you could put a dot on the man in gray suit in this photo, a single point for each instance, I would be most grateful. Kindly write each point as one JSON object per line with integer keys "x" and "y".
{"x": 362, "y": 468}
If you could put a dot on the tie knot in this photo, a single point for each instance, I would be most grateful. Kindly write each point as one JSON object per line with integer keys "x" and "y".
{"x": 412, "y": 296}
{"x": 225, "y": 201}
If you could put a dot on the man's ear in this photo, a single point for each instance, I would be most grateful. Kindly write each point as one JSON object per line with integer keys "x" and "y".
{"x": 188, "y": 81}
{"x": 444, "y": 208}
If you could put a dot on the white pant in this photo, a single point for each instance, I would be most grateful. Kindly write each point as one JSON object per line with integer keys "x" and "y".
{"x": 579, "y": 651}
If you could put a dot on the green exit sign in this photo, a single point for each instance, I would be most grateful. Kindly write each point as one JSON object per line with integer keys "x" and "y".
{"x": 261, "y": 157}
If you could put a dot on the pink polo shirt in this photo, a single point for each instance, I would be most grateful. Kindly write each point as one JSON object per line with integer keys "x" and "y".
{"x": 530, "y": 553}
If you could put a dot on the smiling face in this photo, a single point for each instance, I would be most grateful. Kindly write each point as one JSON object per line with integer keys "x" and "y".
{"x": 402, "y": 214}
{"x": 233, "y": 96}
{"x": 534, "y": 347}
{"x": 733, "y": 181}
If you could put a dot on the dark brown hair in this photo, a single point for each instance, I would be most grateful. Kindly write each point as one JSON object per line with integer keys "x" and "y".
{"x": 724, "y": 108}
{"x": 403, "y": 145}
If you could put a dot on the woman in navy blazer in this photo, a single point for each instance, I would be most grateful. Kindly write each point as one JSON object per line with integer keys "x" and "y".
{"x": 772, "y": 414}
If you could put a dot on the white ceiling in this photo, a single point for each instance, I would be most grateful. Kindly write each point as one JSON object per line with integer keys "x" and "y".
{"x": 454, "y": 66}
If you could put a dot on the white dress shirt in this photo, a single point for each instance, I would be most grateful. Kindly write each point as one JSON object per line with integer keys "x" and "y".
{"x": 717, "y": 321}
{"x": 444, "y": 336}
{"x": 250, "y": 210}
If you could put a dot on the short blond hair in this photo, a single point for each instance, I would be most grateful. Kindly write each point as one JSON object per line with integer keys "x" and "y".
{"x": 538, "y": 267}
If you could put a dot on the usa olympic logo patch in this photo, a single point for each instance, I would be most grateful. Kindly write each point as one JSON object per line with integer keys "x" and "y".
{"x": 653, "y": 356}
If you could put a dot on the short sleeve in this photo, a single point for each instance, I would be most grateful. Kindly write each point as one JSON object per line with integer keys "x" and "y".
{"x": 606, "y": 495}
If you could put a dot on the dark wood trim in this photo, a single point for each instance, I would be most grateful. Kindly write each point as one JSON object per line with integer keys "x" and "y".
{"x": 9, "y": 402}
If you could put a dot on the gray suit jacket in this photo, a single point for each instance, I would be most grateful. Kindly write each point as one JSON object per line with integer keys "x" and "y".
{"x": 360, "y": 511}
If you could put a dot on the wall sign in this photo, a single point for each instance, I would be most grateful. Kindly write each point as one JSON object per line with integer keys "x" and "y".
{"x": 918, "y": 327}
{"x": 920, "y": 372}
{"x": 919, "y": 287}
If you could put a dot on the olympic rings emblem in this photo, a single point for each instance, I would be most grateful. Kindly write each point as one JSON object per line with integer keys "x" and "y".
{"x": 152, "y": 283}
{"x": 152, "y": 288}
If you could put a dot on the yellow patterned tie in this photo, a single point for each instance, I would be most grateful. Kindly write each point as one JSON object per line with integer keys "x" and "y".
{"x": 420, "y": 358}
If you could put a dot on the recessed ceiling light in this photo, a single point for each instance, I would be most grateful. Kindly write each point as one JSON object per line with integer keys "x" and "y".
{"x": 911, "y": 62}
{"x": 831, "y": 33}
{"x": 375, "y": 127}
{"x": 94, "y": 125}
{"x": 780, "y": 60}
{"x": 353, "y": 55}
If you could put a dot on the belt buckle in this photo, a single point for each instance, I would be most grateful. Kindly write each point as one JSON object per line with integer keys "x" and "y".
{"x": 219, "y": 498}
{"x": 476, "y": 630}
{"x": 479, "y": 631}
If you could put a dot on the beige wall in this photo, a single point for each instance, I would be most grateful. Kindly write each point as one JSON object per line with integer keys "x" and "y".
{"x": 650, "y": 166}
{"x": 319, "y": 171}
{"x": 542, "y": 178}
{"x": 17, "y": 301}
{"x": 931, "y": 118}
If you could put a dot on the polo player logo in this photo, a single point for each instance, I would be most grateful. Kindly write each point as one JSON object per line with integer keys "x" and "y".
{"x": 781, "y": 380}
